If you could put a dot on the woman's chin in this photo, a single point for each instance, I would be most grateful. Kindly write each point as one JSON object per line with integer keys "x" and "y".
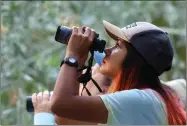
{"x": 106, "y": 71}
{"x": 103, "y": 70}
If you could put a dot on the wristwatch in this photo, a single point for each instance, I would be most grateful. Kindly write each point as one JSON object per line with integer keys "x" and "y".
{"x": 71, "y": 61}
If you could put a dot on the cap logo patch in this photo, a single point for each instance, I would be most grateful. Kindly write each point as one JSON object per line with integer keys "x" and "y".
{"x": 131, "y": 25}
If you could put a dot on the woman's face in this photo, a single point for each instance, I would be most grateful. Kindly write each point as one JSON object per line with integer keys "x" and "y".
{"x": 112, "y": 62}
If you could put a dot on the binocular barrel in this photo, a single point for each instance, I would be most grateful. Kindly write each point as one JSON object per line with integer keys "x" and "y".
{"x": 63, "y": 34}
{"x": 29, "y": 105}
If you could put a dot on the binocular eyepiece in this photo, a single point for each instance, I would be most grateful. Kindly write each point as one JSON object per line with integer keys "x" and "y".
{"x": 63, "y": 34}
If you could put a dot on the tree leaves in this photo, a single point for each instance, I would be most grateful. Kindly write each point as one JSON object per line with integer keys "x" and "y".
{"x": 30, "y": 56}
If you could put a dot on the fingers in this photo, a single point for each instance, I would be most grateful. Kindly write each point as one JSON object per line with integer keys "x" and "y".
{"x": 34, "y": 99}
{"x": 39, "y": 96}
{"x": 89, "y": 34}
{"x": 87, "y": 31}
{"x": 80, "y": 31}
{"x": 74, "y": 30}
{"x": 92, "y": 35}
{"x": 46, "y": 95}
{"x": 51, "y": 94}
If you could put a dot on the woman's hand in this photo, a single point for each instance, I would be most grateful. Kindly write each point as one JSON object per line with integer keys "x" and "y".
{"x": 79, "y": 43}
{"x": 41, "y": 102}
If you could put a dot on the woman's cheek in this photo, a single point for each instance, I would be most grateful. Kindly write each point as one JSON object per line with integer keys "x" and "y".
{"x": 114, "y": 51}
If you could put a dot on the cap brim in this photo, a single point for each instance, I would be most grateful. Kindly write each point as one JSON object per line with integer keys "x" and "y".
{"x": 114, "y": 31}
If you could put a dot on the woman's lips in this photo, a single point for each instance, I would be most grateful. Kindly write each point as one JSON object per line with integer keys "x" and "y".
{"x": 103, "y": 62}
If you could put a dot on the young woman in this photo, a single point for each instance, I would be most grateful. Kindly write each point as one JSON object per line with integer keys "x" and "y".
{"x": 45, "y": 117}
{"x": 141, "y": 54}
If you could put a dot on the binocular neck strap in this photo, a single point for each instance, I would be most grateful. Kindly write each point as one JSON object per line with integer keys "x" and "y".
{"x": 86, "y": 77}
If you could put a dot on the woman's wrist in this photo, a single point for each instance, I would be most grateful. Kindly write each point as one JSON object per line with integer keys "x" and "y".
{"x": 80, "y": 62}
{"x": 70, "y": 54}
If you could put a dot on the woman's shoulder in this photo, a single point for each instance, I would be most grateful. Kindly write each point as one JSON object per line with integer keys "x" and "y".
{"x": 135, "y": 96}
{"x": 135, "y": 103}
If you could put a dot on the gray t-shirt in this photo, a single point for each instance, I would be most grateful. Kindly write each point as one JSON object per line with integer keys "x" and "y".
{"x": 132, "y": 100}
{"x": 135, "y": 107}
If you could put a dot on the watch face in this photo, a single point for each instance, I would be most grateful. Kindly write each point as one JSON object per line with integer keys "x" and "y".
{"x": 72, "y": 60}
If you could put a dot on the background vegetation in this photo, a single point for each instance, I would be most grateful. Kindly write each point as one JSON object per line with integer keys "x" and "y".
{"x": 30, "y": 56}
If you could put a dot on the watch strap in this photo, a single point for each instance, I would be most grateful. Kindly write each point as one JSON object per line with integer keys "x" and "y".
{"x": 68, "y": 62}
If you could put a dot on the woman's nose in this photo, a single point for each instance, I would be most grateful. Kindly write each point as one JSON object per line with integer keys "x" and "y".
{"x": 107, "y": 51}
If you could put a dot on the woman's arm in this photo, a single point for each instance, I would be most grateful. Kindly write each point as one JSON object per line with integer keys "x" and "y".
{"x": 65, "y": 101}
{"x": 65, "y": 121}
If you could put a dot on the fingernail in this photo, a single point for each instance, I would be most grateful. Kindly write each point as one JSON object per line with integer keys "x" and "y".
{"x": 51, "y": 93}
{"x": 83, "y": 27}
{"x": 40, "y": 94}
{"x": 46, "y": 92}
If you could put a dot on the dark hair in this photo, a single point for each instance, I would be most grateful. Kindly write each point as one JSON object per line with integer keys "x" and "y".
{"x": 136, "y": 73}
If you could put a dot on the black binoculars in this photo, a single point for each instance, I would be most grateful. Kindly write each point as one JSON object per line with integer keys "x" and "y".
{"x": 63, "y": 34}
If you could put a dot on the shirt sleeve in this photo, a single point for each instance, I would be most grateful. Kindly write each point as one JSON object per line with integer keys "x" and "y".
{"x": 44, "y": 118}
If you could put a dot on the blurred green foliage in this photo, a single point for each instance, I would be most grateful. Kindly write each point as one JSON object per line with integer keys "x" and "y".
{"x": 30, "y": 56}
